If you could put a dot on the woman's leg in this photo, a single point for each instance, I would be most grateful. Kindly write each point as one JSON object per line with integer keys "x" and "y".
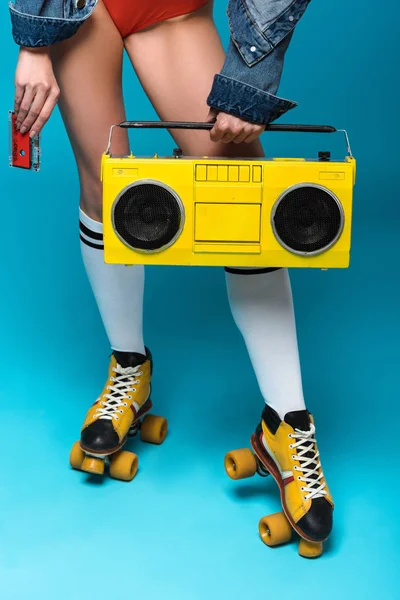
{"x": 176, "y": 62}
{"x": 88, "y": 70}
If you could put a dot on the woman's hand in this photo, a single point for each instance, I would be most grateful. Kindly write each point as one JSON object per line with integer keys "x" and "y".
{"x": 228, "y": 128}
{"x": 36, "y": 89}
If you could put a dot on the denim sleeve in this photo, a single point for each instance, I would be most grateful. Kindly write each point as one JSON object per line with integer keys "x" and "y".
{"x": 38, "y": 23}
{"x": 261, "y": 31}
{"x": 249, "y": 92}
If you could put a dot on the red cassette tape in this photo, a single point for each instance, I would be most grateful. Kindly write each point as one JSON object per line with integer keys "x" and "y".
{"x": 24, "y": 151}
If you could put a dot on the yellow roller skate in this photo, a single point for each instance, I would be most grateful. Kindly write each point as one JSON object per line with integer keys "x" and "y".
{"x": 119, "y": 413}
{"x": 288, "y": 451}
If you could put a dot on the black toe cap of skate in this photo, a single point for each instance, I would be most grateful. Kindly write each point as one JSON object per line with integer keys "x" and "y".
{"x": 100, "y": 436}
{"x": 317, "y": 523}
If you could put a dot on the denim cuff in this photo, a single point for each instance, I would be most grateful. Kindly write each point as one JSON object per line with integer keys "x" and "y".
{"x": 246, "y": 101}
{"x": 38, "y": 31}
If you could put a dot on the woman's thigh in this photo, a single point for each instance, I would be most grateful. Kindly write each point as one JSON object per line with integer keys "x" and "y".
{"x": 88, "y": 68}
{"x": 176, "y": 62}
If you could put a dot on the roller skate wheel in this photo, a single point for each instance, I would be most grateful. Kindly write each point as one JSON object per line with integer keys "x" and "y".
{"x": 310, "y": 549}
{"x": 153, "y": 429}
{"x": 76, "y": 456}
{"x": 240, "y": 464}
{"x": 124, "y": 465}
{"x": 93, "y": 465}
{"x": 275, "y": 529}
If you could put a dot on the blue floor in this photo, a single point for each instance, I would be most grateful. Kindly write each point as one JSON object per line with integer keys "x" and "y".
{"x": 182, "y": 529}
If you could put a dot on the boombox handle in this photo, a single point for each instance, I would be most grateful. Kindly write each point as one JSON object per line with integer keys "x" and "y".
{"x": 209, "y": 126}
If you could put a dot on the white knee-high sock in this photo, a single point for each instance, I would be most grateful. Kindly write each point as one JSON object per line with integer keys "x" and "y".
{"x": 262, "y": 307}
{"x": 118, "y": 290}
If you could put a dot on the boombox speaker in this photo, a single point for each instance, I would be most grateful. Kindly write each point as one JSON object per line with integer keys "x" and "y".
{"x": 181, "y": 210}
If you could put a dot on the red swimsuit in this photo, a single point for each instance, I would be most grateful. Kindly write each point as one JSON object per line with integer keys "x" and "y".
{"x": 131, "y": 16}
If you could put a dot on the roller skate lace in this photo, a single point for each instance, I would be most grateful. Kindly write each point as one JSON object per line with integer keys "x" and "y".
{"x": 121, "y": 390}
{"x": 307, "y": 456}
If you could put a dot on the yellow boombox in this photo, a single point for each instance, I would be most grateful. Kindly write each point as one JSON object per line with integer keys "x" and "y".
{"x": 205, "y": 211}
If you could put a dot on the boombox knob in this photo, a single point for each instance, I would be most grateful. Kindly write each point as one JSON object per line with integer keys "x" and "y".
{"x": 178, "y": 153}
{"x": 324, "y": 156}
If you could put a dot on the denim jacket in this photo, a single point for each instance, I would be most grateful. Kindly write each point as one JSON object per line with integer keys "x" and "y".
{"x": 261, "y": 31}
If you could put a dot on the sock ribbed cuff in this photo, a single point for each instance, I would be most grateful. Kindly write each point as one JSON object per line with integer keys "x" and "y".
{"x": 90, "y": 223}
{"x": 91, "y": 231}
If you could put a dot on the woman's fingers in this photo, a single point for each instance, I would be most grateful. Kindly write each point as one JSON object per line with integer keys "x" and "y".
{"x": 24, "y": 105}
{"x": 38, "y": 100}
{"x": 251, "y": 137}
{"x": 228, "y": 129}
{"x": 45, "y": 112}
{"x": 220, "y": 131}
{"x": 19, "y": 94}
{"x": 243, "y": 135}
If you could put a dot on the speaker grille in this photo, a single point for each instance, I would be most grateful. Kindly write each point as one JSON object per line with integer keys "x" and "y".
{"x": 307, "y": 219}
{"x": 148, "y": 216}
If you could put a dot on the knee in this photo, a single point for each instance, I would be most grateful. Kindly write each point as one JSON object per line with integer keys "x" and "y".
{"x": 91, "y": 197}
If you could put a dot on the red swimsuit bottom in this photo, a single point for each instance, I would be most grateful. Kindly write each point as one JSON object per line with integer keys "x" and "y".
{"x": 131, "y": 16}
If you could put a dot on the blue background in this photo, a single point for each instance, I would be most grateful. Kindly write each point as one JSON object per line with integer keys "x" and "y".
{"x": 182, "y": 529}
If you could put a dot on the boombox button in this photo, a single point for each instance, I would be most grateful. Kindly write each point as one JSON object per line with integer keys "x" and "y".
{"x": 125, "y": 172}
{"x": 334, "y": 175}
